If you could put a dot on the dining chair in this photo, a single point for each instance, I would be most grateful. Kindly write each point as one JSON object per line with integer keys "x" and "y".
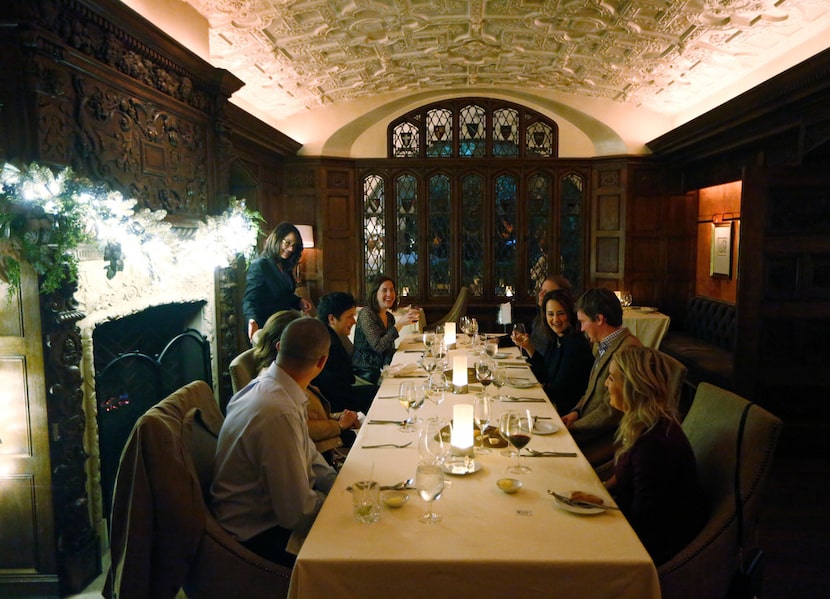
{"x": 457, "y": 310}
{"x": 243, "y": 369}
{"x": 705, "y": 566}
{"x": 163, "y": 536}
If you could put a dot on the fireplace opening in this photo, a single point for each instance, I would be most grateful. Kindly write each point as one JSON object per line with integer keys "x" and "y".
{"x": 139, "y": 360}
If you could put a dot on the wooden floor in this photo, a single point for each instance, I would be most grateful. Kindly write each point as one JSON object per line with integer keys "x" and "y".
{"x": 794, "y": 529}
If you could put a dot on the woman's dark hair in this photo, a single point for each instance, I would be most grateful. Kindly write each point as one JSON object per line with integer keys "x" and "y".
{"x": 271, "y": 248}
{"x": 566, "y": 300}
{"x": 372, "y": 296}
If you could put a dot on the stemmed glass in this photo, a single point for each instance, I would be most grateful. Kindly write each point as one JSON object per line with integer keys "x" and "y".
{"x": 408, "y": 396}
{"x": 472, "y": 327}
{"x": 433, "y": 445}
{"x": 429, "y": 480}
{"x": 519, "y": 333}
{"x": 429, "y": 340}
{"x": 484, "y": 372}
{"x": 499, "y": 380}
{"x": 519, "y": 427}
{"x": 491, "y": 348}
{"x": 482, "y": 411}
{"x": 429, "y": 362}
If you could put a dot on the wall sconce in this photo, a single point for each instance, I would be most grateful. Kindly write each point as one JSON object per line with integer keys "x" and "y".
{"x": 462, "y": 436}
{"x": 459, "y": 374}
{"x": 307, "y": 235}
{"x": 449, "y": 334}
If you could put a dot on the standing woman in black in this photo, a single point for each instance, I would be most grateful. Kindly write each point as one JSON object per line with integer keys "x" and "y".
{"x": 270, "y": 285}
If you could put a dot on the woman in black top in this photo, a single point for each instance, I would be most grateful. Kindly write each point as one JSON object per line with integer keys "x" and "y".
{"x": 566, "y": 365}
{"x": 270, "y": 281}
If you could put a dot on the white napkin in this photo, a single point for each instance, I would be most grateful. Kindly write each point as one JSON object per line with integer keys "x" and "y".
{"x": 393, "y": 370}
{"x": 505, "y": 313}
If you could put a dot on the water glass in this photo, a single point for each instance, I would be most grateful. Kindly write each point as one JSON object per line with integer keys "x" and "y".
{"x": 366, "y": 501}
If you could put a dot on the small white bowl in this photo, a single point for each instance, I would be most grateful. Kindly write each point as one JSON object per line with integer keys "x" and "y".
{"x": 509, "y": 485}
{"x": 395, "y": 499}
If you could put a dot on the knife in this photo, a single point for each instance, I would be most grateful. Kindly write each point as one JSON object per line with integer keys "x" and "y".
{"x": 524, "y": 399}
{"x": 550, "y": 454}
{"x": 398, "y": 422}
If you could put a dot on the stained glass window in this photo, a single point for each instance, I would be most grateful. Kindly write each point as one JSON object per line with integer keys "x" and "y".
{"x": 439, "y": 240}
{"x": 572, "y": 196}
{"x": 439, "y": 133}
{"x": 405, "y": 140}
{"x": 406, "y": 209}
{"x": 473, "y": 123}
{"x": 504, "y": 244}
{"x": 540, "y": 140}
{"x": 506, "y": 132}
{"x": 374, "y": 227}
{"x": 472, "y": 238}
{"x": 538, "y": 216}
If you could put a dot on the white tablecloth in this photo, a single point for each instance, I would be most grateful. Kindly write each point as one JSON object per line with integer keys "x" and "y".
{"x": 489, "y": 543}
{"x": 647, "y": 324}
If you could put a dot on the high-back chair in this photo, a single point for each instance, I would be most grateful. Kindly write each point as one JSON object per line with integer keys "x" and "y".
{"x": 163, "y": 536}
{"x": 704, "y": 567}
{"x": 242, "y": 369}
{"x": 457, "y": 310}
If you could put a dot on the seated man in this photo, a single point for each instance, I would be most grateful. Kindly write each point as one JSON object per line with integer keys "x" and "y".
{"x": 593, "y": 421}
{"x": 337, "y": 381}
{"x": 269, "y": 479}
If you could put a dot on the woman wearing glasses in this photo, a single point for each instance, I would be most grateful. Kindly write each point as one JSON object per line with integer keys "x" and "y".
{"x": 270, "y": 282}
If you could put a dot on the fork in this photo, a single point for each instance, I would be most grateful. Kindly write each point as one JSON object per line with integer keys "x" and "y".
{"x": 580, "y": 503}
{"x": 395, "y": 445}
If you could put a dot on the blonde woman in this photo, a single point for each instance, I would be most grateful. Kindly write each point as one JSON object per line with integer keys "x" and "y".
{"x": 655, "y": 476}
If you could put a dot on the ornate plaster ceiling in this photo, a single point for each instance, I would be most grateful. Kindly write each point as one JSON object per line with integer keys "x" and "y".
{"x": 662, "y": 55}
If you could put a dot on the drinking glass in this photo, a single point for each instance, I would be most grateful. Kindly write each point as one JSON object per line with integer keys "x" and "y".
{"x": 437, "y": 388}
{"x": 429, "y": 339}
{"x": 509, "y": 452}
{"x": 464, "y": 324}
{"x": 519, "y": 335}
{"x": 484, "y": 372}
{"x": 429, "y": 362}
{"x": 422, "y": 391}
{"x": 499, "y": 380}
{"x": 433, "y": 445}
{"x": 408, "y": 397}
{"x": 519, "y": 427}
{"x": 429, "y": 480}
{"x": 491, "y": 348}
{"x": 482, "y": 411}
{"x": 472, "y": 327}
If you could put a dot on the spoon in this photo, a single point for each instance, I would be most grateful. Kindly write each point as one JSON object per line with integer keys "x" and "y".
{"x": 395, "y": 445}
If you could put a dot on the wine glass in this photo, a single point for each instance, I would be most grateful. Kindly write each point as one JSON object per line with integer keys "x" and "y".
{"x": 429, "y": 363}
{"x": 429, "y": 340}
{"x": 429, "y": 480}
{"x": 421, "y": 395}
{"x": 434, "y": 442}
{"x": 408, "y": 397}
{"x": 484, "y": 373}
{"x": 519, "y": 427}
{"x": 491, "y": 348}
{"x": 464, "y": 324}
{"x": 472, "y": 327}
{"x": 503, "y": 431}
{"x": 482, "y": 411}
{"x": 519, "y": 334}
{"x": 499, "y": 380}
{"x": 437, "y": 388}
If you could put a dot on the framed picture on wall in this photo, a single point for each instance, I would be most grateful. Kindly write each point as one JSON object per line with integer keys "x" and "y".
{"x": 721, "y": 264}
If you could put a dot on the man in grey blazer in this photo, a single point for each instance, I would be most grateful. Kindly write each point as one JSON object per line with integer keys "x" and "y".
{"x": 593, "y": 422}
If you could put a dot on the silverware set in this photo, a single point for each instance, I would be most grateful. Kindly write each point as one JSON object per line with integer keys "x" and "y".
{"x": 580, "y": 503}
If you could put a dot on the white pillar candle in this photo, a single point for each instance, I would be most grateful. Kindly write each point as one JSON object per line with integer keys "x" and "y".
{"x": 449, "y": 334}
{"x": 462, "y": 426}
{"x": 459, "y": 373}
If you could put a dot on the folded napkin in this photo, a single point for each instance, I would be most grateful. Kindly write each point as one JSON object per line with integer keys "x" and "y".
{"x": 400, "y": 370}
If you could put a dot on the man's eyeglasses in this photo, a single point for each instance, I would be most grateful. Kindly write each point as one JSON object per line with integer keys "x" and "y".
{"x": 289, "y": 244}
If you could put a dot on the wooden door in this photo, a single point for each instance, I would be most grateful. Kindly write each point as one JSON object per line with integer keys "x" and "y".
{"x": 783, "y": 353}
{"x": 27, "y": 546}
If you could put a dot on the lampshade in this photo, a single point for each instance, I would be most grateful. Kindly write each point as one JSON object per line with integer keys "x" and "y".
{"x": 307, "y": 235}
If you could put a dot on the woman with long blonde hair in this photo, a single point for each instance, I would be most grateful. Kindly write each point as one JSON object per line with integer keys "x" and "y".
{"x": 655, "y": 475}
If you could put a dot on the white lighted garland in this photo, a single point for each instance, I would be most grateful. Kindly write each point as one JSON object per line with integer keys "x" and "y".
{"x": 40, "y": 209}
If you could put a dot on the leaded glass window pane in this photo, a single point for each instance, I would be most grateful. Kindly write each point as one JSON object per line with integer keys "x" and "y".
{"x": 504, "y": 244}
{"x": 472, "y": 238}
{"x": 439, "y": 133}
{"x": 406, "y": 191}
{"x": 439, "y": 236}
{"x": 473, "y": 123}
{"x": 505, "y": 132}
{"x": 405, "y": 140}
{"x": 374, "y": 228}
{"x": 538, "y": 213}
{"x": 539, "y": 140}
{"x": 572, "y": 193}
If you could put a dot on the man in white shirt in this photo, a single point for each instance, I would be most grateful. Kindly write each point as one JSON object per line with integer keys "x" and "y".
{"x": 269, "y": 480}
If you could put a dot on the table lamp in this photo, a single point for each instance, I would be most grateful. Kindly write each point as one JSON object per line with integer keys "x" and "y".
{"x": 459, "y": 374}
{"x": 449, "y": 334}
{"x": 462, "y": 439}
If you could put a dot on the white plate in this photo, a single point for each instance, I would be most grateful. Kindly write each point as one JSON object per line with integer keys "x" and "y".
{"x": 521, "y": 383}
{"x": 544, "y": 427}
{"x": 500, "y": 356}
{"x": 575, "y": 509}
{"x": 449, "y": 470}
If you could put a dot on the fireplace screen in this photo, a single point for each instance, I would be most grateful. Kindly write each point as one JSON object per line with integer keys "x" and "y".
{"x": 134, "y": 381}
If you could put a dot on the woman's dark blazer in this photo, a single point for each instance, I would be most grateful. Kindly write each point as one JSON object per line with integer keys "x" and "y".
{"x": 268, "y": 290}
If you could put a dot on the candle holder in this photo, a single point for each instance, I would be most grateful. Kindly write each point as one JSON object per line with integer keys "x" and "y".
{"x": 462, "y": 440}
{"x": 449, "y": 335}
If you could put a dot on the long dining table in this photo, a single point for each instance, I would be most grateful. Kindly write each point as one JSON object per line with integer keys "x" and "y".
{"x": 488, "y": 543}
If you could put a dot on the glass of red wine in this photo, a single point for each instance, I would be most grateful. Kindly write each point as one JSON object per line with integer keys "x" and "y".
{"x": 517, "y": 426}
